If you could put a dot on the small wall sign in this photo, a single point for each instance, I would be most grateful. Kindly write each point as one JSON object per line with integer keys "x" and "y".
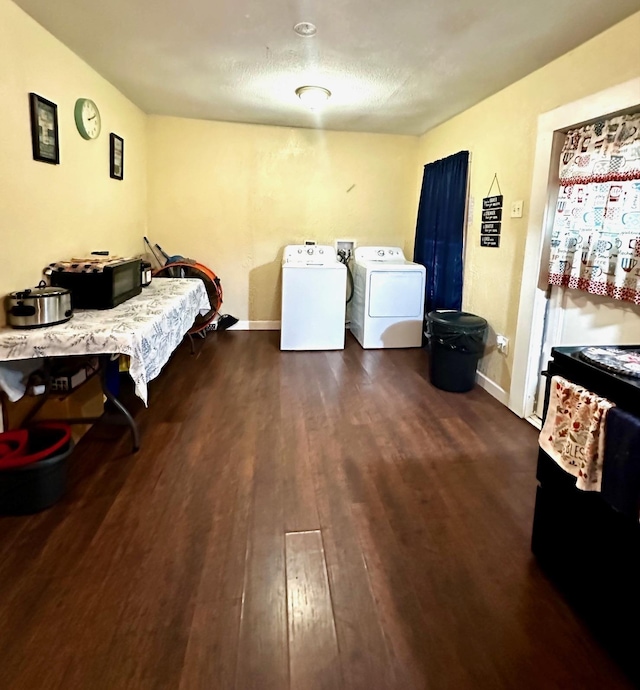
{"x": 492, "y": 201}
{"x": 489, "y": 240}
{"x": 491, "y": 214}
{"x": 490, "y": 228}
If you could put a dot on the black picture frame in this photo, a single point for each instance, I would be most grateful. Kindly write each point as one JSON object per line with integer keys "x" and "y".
{"x": 44, "y": 129}
{"x": 116, "y": 157}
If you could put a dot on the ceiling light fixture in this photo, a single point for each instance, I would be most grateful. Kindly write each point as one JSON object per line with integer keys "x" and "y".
{"x": 305, "y": 29}
{"x": 313, "y": 96}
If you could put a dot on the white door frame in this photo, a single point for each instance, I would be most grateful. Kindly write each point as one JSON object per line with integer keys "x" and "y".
{"x": 533, "y": 297}
{"x": 551, "y": 335}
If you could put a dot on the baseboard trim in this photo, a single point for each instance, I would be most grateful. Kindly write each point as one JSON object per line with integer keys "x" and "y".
{"x": 255, "y": 326}
{"x": 500, "y": 394}
{"x": 535, "y": 421}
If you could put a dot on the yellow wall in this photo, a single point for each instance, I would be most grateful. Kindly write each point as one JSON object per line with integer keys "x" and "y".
{"x": 232, "y": 196}
{"x": 52, "y": 212}
{"x": 500, "y": 132}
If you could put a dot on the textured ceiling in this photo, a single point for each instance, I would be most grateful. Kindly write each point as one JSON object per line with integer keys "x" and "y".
{"x": 398, "y": 67}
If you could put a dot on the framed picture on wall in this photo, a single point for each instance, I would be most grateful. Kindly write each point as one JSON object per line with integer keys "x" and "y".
{"x": 116, "y": 156}
{"x": 44, "y": 129}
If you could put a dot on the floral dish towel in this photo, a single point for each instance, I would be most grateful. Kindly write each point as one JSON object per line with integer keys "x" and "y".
{"x": 574, "y": 432}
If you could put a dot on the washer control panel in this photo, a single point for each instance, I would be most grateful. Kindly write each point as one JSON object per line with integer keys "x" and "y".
{"x": 379, "y": 254}
{"x": 315, "y": 255}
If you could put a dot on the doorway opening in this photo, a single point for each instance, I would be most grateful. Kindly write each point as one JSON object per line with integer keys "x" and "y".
{"x": 545, "y": 315}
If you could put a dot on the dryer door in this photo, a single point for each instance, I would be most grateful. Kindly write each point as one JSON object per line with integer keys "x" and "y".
{"x": 396, "y": 293}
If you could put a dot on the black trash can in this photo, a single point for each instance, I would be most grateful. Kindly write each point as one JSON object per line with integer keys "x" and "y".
{"x": 457, "y": 343}
{"x": 33, "y": 468}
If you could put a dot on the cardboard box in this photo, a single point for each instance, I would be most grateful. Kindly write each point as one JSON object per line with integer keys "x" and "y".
{"x": 87, "y": 401}
{"x": 70, "y": 376}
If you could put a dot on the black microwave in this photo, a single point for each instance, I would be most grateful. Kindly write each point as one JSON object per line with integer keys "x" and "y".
{"x": 103, "y": 288}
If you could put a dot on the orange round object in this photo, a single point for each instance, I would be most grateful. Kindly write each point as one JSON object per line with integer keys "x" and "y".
{"x": 192, "y": 269}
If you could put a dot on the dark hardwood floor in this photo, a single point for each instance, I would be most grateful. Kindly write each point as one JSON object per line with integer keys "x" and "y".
{"x": 293, "y": 520}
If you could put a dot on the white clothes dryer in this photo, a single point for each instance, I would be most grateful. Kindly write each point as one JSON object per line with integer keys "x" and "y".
{"x": 314, "y": 287}
{"x": 387, "y": 309}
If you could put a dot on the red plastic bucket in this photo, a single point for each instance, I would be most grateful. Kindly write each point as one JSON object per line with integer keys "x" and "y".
{"x": 33, "y": 467}
{"x": 25, "y": 446}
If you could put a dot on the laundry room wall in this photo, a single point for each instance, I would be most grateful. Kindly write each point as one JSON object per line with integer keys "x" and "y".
{"x": 500, "y": 132}
{"x": 233, "y": 195}
{"x": 52, "y": 212}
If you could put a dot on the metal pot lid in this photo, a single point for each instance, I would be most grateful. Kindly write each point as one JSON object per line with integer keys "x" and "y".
{"x": 39, "y": 292}
{"x": 625, "y": 361}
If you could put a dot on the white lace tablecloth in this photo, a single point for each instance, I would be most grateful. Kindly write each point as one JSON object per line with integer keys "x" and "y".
{"x": 147, "y": 327}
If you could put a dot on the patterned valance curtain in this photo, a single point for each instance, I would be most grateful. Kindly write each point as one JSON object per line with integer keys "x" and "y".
{"x": 595, "y": 244}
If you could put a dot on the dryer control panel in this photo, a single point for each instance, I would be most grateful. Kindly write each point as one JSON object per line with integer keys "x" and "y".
{"x": 379, "y": 254}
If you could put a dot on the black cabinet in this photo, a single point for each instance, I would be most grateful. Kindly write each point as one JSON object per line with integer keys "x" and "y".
{"x": 591, "y": 551}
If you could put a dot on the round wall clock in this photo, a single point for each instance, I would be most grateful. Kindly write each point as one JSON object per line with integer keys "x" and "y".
{"x": 87, "y": 118}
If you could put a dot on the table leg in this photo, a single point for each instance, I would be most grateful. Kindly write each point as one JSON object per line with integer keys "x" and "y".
{"x": 135, "y": 434}
{"x": 123, "y": 415}
{"x": 193, "y": 347}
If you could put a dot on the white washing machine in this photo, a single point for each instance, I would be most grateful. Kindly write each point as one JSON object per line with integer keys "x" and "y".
{"x": 314, "y": 286}
{"x": 387, "y": 309}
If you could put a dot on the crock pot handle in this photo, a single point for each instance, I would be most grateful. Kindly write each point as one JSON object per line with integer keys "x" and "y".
{"x": 21, "y": 309}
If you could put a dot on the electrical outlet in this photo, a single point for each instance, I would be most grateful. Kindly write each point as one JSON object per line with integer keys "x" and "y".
{"x": 516, "y": 209}
{"x": 503, "y": 344}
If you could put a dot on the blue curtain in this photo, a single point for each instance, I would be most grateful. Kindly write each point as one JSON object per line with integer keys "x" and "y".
{"x": 440, "y": 228}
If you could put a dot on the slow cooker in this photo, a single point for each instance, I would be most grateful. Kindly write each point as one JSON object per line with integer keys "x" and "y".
{"x": 38, "y": 307}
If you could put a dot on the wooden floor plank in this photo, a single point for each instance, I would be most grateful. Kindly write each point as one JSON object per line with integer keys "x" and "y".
{"x": 263, "y": 662}
{"x": 313, "y": 648}
{"x": 363, "y": 649}
{"x": 211, "y": 657}
{"x": 300, "y": 511}
{"x": 364, "y": 654}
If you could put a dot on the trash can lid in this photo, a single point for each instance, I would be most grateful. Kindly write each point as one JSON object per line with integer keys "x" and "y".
{"x": 459, "y": 321}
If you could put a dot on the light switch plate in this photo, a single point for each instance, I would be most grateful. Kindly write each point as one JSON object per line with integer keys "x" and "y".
{"x": 516, "y": 209}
